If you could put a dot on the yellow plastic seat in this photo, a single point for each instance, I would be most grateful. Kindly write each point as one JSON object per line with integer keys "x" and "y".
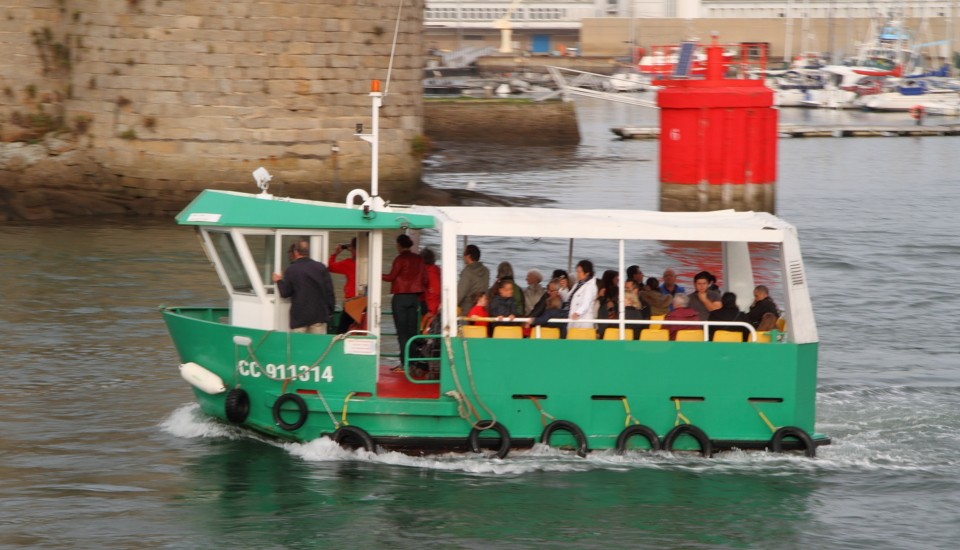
{"x": 613, "y": 333}
{"x": 474, "y": 331}
{"x": 508, "y": 331}
{"x": 657, "y": 318}
{"x": 546, "y": 333}
{"x": 689, "y": 335}
{"x": 728, "y": 336}
{"x": 763, "y": 337}
{"x": 580, "y": 333}
{"x": 655, "y": 334}
{"x": 782, "y": 324}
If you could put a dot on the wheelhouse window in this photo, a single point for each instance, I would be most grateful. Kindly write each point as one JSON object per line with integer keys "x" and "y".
{"x": 230, "y": 259}
{"x": 262, "y": 250}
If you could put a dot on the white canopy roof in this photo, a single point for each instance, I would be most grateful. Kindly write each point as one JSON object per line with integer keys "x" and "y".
{"x": 720, "y": 226}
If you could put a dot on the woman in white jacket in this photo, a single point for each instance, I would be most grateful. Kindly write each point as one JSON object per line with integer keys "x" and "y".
{"x": 583, "y": 296}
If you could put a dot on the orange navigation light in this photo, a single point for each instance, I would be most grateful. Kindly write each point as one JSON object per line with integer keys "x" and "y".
{"x": 374, "y": 85}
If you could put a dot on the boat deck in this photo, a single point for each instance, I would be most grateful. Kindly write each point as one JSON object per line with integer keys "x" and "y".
{"x": 395, "y": 385}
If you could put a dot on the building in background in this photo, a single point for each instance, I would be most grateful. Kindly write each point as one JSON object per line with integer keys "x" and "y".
{"x": 615, "y": 27}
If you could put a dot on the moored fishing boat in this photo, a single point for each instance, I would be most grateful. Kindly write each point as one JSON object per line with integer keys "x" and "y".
{"x": 604, "y": 391}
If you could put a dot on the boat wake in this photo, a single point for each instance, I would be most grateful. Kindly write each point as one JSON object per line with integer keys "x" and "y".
{"x": 856, "y": 448}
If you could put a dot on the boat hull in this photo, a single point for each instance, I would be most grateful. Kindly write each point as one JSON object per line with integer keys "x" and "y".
{"x": 737, "y": 393}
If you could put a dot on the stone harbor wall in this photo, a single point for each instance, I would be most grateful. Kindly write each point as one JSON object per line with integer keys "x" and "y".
{"x": 501, "y": 121}
{"x": 133, "y": 106}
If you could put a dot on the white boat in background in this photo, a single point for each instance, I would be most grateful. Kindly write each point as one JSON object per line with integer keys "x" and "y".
{"x": 627, "y": 81}
{"x": 910, "y": 93}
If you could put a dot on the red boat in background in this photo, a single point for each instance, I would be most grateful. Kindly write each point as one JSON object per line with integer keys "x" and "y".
{"x": 689, "y": 58}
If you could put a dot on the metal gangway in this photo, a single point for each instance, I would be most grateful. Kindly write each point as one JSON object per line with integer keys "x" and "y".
{"x": 575, "y": 82}
{"x": 464, "y": 57}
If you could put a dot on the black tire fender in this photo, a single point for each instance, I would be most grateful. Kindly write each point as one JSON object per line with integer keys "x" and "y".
{"x": 706, "y": 448}
{"x": 567, "y": 426}
{"x": 637, "y": 430}
{"x": 473, "y": 440}
{"x": 776, "y": 442}
{"x": 347, "y": 436}
{"x": 237, "y": 406}
{"x": 301, "y": 411}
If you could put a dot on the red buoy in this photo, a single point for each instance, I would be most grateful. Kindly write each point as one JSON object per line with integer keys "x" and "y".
{"x": 718, "y": 136}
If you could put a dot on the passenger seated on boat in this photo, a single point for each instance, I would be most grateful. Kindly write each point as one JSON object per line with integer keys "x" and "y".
{"x": 563, "y": 279}
{"x": 635, "y": 274}
{"x": 762, "y": 304}
{"x": 505, "y": 273}
{"x": 503, "y": 304}
{"x": 681, "y": 312}
{"x": 479, "y": 309}
{"x": 633, "y": 310}
{"x": 541, "y": 305}
{"x": 729, "y": 312}
{"x": 583, "y": 296}
{"x": 703, "y": 299}
{"x": 608, "y": 292}
{"x": 534, "y": 291}
{"x": 657, "y": 302}
{"x": 552, "y": 310}
{"x": 669, "y": 285}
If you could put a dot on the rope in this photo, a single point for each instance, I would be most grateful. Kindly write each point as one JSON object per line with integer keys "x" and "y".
{"x": 544, "y": 415}
{"x": 326, "y": 407}
{"x": 323, "y": 356}
{"x": 256, "y": 365}
{"x": 461, "y": 394}
{"x": 626, "y": 408}
{"x": 393, "y": 49}
{"x": 250, "y": 353}
{"x": 680, "y": 415}
{"x": 346, "y": 403}
{"x": 464, "y": 407}
{"x": 764, "y": 418}
{"x": 473, "y": 388}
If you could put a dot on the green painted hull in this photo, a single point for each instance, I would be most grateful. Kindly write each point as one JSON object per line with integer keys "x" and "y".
{"x": 736, "y": 393}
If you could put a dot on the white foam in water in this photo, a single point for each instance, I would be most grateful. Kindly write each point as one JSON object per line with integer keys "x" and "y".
{"x": 872, "y": 429}
{"x": 189, "y": 422}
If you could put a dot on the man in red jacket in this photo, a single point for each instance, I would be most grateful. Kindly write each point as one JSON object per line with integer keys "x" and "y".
{"x": 408, "y": 280}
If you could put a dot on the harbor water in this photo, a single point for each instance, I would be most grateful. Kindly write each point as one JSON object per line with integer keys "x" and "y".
{"x": 103, "y": 448}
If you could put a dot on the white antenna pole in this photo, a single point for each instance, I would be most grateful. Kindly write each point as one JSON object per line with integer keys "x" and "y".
{"x": 373, "y": 138}
{"x": 377, "y": 99}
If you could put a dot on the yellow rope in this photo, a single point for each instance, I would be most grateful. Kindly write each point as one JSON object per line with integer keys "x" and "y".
{"x": 764, "y": 418}
{"x": 680, "y": 415}
{"x": 626, "y": 407}
{"x": 543, "y": 414}
{"x": 346, "y": 403}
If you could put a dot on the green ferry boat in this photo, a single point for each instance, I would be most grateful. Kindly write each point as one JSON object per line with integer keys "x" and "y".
{"x": 486, "y": 394}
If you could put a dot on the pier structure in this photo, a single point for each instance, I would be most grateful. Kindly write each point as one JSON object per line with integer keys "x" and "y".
{"x": 718, "y": 138}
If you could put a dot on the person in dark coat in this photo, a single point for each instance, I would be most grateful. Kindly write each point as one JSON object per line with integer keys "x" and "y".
{"x": 309, "y": 286}
{"x": 729, "y": 312}
{"x": 762, "y": 305}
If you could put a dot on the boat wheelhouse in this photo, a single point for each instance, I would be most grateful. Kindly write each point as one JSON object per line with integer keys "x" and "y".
{"x": 608, "y": 390}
